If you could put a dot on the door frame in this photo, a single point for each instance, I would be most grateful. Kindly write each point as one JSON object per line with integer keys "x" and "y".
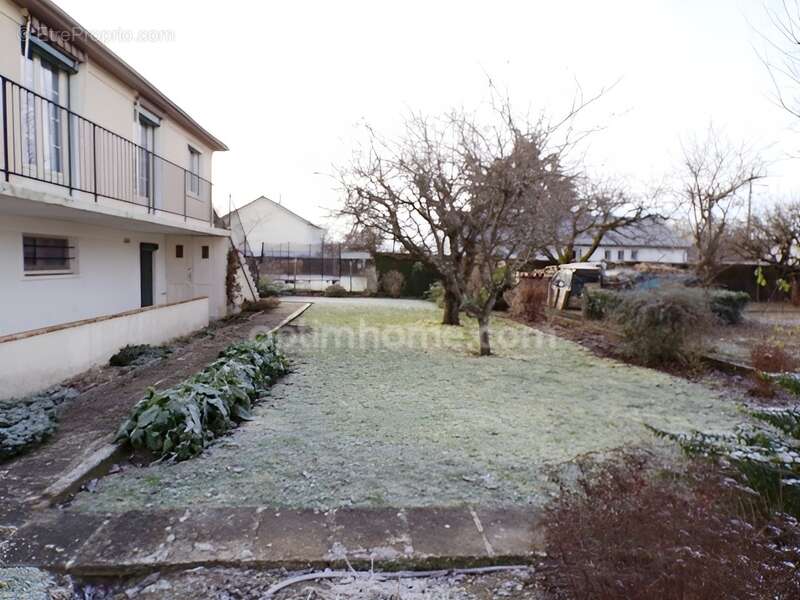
{"x": 149, "y": 249}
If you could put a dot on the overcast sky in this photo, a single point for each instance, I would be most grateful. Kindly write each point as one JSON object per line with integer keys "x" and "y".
{"x": 286, "y": 84}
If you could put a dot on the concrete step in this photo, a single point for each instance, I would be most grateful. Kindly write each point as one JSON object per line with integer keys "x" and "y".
{"x": 89, "y": 544}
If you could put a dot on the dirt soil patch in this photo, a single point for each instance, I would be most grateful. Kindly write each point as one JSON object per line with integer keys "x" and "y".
{"x": 386, "y": 407}
{"x": 106, "y": 396}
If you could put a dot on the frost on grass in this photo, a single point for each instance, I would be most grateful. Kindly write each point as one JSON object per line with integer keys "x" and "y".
{"x": 397, "y": 410}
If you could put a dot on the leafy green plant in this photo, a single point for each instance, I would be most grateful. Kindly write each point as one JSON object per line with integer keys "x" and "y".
{"x": 597, "y": 304}
{"x": 134, "y": 354}
{"x": 179, "y": 422}
{"x": 728, "y": 306}
{"x": 335, "y": 291}
{"x": 788, "y": 381}
{"x": 764, "y": 455}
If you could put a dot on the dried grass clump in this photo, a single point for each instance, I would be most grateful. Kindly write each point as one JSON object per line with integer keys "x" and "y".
{"x": 629, "y": 534}
{"x": 527, "y": 301}
{"x": 267, "y": 303}
{"x": 772, "y": 358}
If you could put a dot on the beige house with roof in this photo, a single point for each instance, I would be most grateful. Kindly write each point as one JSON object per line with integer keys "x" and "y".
{"x": 107, "y": 231}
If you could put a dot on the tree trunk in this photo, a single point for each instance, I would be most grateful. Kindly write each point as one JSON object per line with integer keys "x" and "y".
{"x": 483, "y": 328}
{"x": 452, "y": 308}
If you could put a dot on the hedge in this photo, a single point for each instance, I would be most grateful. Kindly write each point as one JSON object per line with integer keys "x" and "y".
{"x": 418, "y": 276}
{"x": 179, "y": 422}
{"x": 728, "y": 306}
{"x": 598, "y": 304}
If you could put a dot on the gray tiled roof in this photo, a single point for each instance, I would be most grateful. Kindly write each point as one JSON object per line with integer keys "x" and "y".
{"x": 652, "y": 233}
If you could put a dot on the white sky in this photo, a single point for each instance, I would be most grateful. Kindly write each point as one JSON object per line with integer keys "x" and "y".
{"x": 286, "y": 84}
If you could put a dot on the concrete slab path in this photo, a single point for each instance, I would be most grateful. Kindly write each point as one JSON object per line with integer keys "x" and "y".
{"x": 87, "y": 544}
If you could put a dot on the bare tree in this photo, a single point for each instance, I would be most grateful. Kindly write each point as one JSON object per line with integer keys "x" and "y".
{"x": 711, "y": 179}
{"x": 773, "y": 238}
{"x": 463, "y": 196}
{"x": 363, "y": 238}
{"x": 514, "y": 172}
{"x": 415, "y": 190}
{"x": 782, "y": 57}
{"x": 588, "y": 210}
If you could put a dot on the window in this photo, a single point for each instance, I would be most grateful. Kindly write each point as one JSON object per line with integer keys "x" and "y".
{"x": 204, "y": 252}
{"x": 44, "y": 120}
{"x": 193, "y": 174}
{"x": 578, "y": 253}
{"x": 179, "y": 251}
{"x": 607, "y": 254}
{"x": 47, "y": 255}
{"x": 620, "y": 254}
{"x": 634, "y": 255}
{"x": 144, "y": 171}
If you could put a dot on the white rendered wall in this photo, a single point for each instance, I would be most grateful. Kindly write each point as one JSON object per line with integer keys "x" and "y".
{"x": 644, "y": 254}
{"x": 38, "y": 361}
{"x": 264, "y": 221}
{"x": 106, "y": 278}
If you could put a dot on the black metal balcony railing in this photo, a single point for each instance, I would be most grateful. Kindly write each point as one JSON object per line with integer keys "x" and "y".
{"x": 47, "y": 142}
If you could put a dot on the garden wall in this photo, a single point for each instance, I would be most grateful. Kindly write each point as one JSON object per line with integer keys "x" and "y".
{"x": 34, "y": 360}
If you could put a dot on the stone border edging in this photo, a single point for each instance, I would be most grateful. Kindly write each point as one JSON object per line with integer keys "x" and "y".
{"x": 100, "y": 461}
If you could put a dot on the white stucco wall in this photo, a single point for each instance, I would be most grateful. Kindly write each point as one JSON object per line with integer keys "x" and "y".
{"x": 192, "y": 275}
{"x": 36, "y": 362}
{"x": 107, "y": 273}
{"x": 106, "y": 281}
{"x": 266, "y": 221}
{"x": 644, "y": 254}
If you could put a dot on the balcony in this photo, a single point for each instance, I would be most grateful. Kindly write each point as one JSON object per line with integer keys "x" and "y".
{"x": 49, "y": 144}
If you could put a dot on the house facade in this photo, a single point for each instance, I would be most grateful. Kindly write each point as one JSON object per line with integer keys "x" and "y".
{"x": 284, "y": 247}
{"x": 264, "y": 224}
{"x": 106, "y": 218}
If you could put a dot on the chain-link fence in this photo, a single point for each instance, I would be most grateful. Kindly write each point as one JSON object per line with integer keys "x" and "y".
{"x": 313, "y": 266}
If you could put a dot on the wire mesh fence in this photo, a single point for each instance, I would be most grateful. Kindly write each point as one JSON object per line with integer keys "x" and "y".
{"x": 311, "y": 266}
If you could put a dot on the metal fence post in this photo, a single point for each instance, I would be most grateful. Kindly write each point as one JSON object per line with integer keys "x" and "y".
{"x": 94, "y": 158}
{"x": 5, "y": 129}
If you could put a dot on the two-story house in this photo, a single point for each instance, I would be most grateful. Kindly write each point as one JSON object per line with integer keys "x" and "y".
{"x": 107, "y": 231}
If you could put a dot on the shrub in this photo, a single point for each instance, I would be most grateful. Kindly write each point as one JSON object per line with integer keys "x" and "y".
{"x": 527, "y": 301}
{"x": 136, "y": 354}
{"x": 335, "y": 291}
{"x": 631, "y": 534}
{"x": 662, "y": 326}
{"x": 179, "y": 422}
{"x": 598, "y": 304}
{"x": 268, "y": 288}
{"x": 771, "y": 358}
{"x": 763, "y": 455}
{"x": 260, "y": 304}
{"x": 728, "y": 306}
{"x": 392, "y": 283}
{"x": 435, "y": 294}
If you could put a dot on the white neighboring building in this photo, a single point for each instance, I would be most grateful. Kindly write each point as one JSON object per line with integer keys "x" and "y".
{"x": 292, "y": 250}
{"x": 107, "y": 231}
{"x": 264, "y": 224}
{"x": 651, "y": 241}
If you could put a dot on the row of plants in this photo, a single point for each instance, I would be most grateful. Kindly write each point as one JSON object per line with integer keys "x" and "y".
{"x": 178, "y": 423}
